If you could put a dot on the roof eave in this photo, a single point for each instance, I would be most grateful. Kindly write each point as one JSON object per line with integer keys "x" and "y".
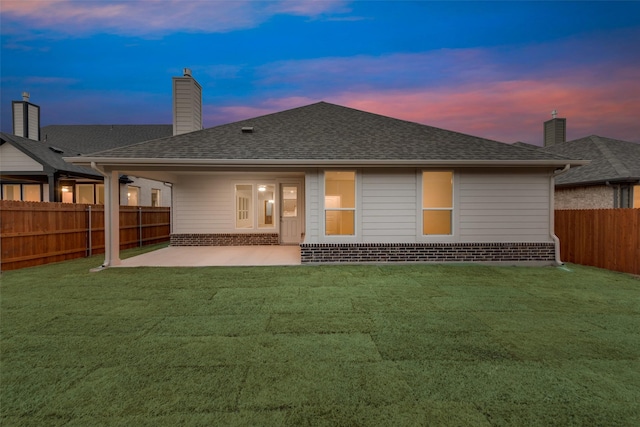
{"x": 289, "y": 163}
{"x": 593, "y": 182}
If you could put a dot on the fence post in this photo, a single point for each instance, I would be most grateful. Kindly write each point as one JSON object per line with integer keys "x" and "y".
{"x": 140, "y": 227}
{"x": 90, "y": 242}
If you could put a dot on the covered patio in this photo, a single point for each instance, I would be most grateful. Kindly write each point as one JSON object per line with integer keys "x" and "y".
{"x": 206, "y": 256}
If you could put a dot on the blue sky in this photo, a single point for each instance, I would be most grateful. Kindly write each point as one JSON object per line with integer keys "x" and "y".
{"x": 492, "y": 69}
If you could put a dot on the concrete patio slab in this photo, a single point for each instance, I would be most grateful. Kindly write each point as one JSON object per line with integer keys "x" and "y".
{"x": 203, "y": 256}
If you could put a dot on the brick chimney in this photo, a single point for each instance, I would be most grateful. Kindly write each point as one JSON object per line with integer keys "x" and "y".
{"x": 26, "y": 118}
{"x": 187, "y": 104}
{"x": 555, "y": 130}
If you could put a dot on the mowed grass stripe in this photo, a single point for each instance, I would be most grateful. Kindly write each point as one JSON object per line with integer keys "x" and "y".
{"x": 326, "y": 345}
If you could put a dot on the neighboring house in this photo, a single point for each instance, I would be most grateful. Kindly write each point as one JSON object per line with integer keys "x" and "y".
{"x": 610, "y": 180}
{"x": 36, "y": 171}
{"x": 33, "y": 165}
{"x": 348, "y": 186}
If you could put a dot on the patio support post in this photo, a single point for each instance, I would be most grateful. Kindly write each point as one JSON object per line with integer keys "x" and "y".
{"x": 112, "y": 219}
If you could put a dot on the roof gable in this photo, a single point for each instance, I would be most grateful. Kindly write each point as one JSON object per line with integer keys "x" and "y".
{"x": 44, "y": 154}
{"x": 326, "y": 132}
{"x": 611, "y": 160}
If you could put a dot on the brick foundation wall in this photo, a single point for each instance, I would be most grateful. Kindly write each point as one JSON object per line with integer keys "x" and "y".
{"x": 426, "y": 252}
{"x": 225, "y": 239}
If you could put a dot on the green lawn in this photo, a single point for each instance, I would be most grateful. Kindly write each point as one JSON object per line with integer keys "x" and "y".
{"x": 331, "y": 346}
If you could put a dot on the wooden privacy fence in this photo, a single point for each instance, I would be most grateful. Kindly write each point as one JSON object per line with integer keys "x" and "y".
{"x": 35, "y": 233}
{"x": 605, "y": 238}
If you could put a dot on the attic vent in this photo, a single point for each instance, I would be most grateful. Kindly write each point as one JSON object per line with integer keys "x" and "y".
{"x": 247, "y": 129}
{"x": 56, "y": 150}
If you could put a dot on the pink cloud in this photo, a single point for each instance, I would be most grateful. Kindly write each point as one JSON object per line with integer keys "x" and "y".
{"x": 228, "y": 114}
{"x": 155, "y": 16}
{"x": 506, "y": 111}
{"x": 514, "y": 110}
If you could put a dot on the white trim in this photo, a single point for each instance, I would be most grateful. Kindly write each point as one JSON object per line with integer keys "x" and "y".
{"x": 455, "y": 209}
{"x": 356, "y": 237}
{"x": 253, "y": 210}
{"x": 121, "y": 161}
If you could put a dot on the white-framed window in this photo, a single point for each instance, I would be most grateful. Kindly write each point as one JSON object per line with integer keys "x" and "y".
{"x": 85, "y": 193}
{"x": 340, "y": 203}
{"x": 255, "y": 206}
{"x": 31, "y": 192}
{"x": 437, "y": 203}
{"x": 11, "y": 192}
{"x": 24, "y": 192}
{"x": 133, "y": 195}
{"x": 155, "y": 197}
{"x": 67, "y": 191}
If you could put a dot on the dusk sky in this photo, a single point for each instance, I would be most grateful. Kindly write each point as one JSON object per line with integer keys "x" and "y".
{"x": 491, "y": 69}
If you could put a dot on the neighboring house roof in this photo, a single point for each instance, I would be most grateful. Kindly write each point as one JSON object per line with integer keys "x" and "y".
{"x": 60, "y": 141}
{"x": 325, "y": 134}
{"x": 85, "y": 139}
{"x": 45, "y": 154}
{"x": 612, "y": 160}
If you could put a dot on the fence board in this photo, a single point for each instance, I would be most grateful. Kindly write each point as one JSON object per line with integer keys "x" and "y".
{"x": 35, "y": 233}
{"x": 605, "y": 238}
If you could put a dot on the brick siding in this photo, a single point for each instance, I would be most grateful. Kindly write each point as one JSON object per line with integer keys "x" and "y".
{"x": 225, "y": 239}
{"x": 426, "y": 252}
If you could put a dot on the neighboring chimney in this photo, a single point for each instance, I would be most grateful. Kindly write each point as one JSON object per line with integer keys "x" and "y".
{"x": 187, "y": 104}
{"x": 555, "y": 130}
{"x": 26, "y": 118}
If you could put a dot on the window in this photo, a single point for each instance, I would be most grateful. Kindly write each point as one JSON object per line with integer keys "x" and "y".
{"x": 244, "y": 196}
{"x": 266, "y": 202}
{"x": 67, "y": 192}
{"x": 437, "y": 202}
{"x": 255, "y": 206}
{"x": 155, "y": 197}
{"x": 25, "y": 192}
{"x": 339, "y": 203}
{"x": 100, "y": 194}
{"x": 11, "y": 192}
{"x": 133, "y": 195}
{"x": 84, "y": 194}
{"x": 31, "y": 193}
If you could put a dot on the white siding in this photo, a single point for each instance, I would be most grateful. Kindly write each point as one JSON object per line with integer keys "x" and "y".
{"x": 33, "y": 121}
{"x": 495, "y": 205}
{"x": 18, "y": 119}
{"x": 203, "y": 204}
{"x": 206, "y": 203}
{"x": 187, "y": 105}
{"x": 503, "y": 206}
{"x": 12, "y": 159}
{"x": 389, "y": 199}
{"x": 313, "y": 205}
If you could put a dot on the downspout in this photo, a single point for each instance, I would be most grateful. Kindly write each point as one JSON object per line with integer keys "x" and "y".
{"x": 170, "y": 185}
{"x": 552, "y": 212}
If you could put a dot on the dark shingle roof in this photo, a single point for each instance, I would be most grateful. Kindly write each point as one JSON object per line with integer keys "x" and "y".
{"x": 611, "y": 160}
{"x": 324, "y": 131}
{"x": 42, "y": 153}
{"x": 60, "y": 141}
{"x": 85, "y": 139}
